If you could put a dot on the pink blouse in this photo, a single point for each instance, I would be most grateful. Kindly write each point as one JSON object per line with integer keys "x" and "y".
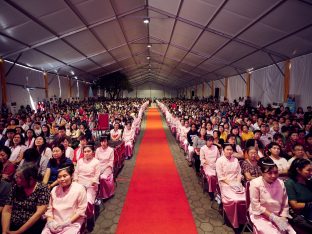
{"x": 271, "y": 197}
{"x": 228, "y": 169}
{"x": 87, "y": 171}
{"x": 209, "y": 156}
{"x": 106, "y": 159}
{"x": 63, "y": 205}
{"x": 128, "y": 135}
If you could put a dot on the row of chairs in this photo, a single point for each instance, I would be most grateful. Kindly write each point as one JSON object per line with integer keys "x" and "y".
{"x": 216, "y": 197}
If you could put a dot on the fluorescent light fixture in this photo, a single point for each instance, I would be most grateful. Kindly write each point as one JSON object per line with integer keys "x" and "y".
{"x": 146, "y": 21}
{"x": 72, "y": 72}
{"x": 76, "y": 77}
{"x": 250, "y": 69}
{"x": 20, "y": 65}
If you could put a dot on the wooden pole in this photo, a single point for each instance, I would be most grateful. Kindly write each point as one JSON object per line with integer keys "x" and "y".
{"x": 46, "y": 84}
{"x": 69, "y": 87}
{"x": 226, "y": 87}
{"x": 3, "y": 82}
{"x": 286, "y": 79}
{"x": 248, "y": 84}
{"x": 203, "y": 89}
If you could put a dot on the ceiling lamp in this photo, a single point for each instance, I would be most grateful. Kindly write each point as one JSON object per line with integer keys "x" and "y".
{"x": 146, "y": 20}
{"x": 250, "y": 70}
{"x": 148, "y": 57}
{"x": 149, "y": 46}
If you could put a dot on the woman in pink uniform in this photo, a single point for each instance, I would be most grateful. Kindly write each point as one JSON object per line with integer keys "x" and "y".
{"x": 67, "y": 206}
{"x": 105, "y": 155}
{"x": 87, "y": 173}
{"x": 209, "y": 154}
{"x": 232, "y": 191}
{"x": 128, "y": 138}
{"x": 269, "y": 208}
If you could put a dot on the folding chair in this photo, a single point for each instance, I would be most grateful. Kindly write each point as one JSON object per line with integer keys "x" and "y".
{"x": 102, "y": 124}
{"x": 248, "y": 224}
{"x": 218, "y": 198}
{"x": 203, "y": 180}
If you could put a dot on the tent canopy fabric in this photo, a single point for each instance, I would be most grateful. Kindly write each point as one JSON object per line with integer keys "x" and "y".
{"x": 191, "y": 40}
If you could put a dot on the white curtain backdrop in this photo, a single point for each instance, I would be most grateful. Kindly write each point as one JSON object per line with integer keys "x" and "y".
{"x": 301, "y": 80}
{"x": 236, "y": 87}
{"x": 267, "y": 85}
{"x": 219, "y": 84}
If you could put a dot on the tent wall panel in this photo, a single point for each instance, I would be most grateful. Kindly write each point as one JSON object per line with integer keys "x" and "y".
{"x": 301, "y": 80}
{"x": 74, "y": 88}
{"x": 151, "y": 90}
{"x": 64, "y": 86}
{"x": 267, "y": 85}
{"x": 54, "y": 86}
{"x": 220, "y": 84}
{"x": 236, "y": 87}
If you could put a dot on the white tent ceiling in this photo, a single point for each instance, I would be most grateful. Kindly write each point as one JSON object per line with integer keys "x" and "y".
{"x": 192, "y": 40}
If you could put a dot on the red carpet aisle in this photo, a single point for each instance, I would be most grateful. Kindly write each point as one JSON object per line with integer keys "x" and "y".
{"x": 156, "y": 202}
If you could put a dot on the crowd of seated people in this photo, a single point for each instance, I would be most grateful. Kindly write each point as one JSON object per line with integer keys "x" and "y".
{"x": 246, "y": 154}
{"x": 51, "y": 172}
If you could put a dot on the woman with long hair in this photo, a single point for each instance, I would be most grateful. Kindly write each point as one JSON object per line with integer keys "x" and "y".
{"x": 30, "y": 138}
{"x": 28, "y": 200}
{"x": 17, "y": 148}
{"x": 45, "y": 152}
{"x": 299, "y": 191}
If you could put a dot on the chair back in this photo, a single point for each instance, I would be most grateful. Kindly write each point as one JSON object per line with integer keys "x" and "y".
{"x": 247, "y": 195}
{"x": 103, "y": 121}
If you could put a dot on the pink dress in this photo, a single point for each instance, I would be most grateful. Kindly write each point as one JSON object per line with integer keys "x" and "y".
{"x": 106, "y": 159}
{"x": 86, "y": 173}
{"x": 271, "y": 197}
{"x": 63, "y": 205}
{"x": 183, "y": 137}
{"x": 208, "y": 158}
{"x": 128, "y": 137}
{"x": 234, "y": 203}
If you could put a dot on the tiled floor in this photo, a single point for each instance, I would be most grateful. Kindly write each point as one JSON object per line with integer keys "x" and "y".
{"x": 207, "y": 220}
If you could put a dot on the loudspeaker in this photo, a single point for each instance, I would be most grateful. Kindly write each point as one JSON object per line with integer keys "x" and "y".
{"x": 193, "y": 93}
{"x": 217, "y": 93}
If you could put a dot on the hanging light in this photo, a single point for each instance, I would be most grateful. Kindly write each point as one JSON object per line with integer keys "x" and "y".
{"x": 146, "y": 20}
{"x": 149, "y": 46}
{"x": 148, "y": 57}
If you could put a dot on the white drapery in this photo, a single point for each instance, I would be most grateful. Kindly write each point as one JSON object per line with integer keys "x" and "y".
{"x": 236, "y": 87}
{"x": 301, "y": 80}
{"x": 267, "y": 85}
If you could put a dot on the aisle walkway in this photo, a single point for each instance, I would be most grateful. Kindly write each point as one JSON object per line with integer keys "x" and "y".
{"x": 156, "y": 201}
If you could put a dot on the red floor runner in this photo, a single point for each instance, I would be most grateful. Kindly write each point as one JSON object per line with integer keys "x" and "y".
{"x": 156, "y": 201}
